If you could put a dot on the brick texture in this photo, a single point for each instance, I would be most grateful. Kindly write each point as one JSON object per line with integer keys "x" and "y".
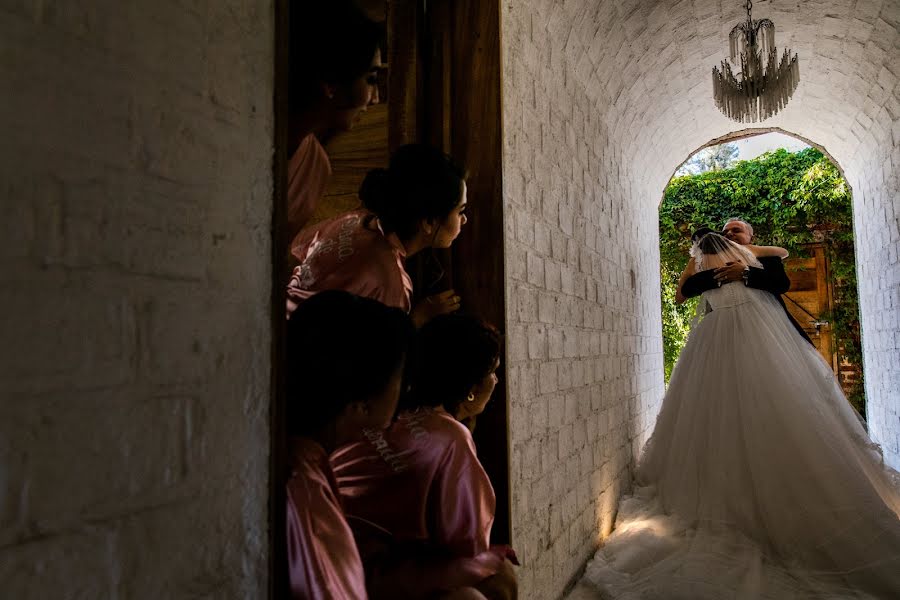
{"x": 135, "y": 176}
{"x": 602, "y": 102}
{"x": 585, "y": 365}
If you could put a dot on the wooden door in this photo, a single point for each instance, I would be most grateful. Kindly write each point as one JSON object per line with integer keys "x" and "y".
{"x": 810, "y": 299}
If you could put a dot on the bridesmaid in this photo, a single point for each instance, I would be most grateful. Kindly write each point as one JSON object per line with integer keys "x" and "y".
{"x": 418, "y": 203}
{"x": 335, "y": 60}
{"x": 421, "y": 481}
{"x": 330, "y": 337}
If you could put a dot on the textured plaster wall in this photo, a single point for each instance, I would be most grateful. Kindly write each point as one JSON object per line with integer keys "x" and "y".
{"x": 602, "y": 101}
{"x": 135, "y": 178}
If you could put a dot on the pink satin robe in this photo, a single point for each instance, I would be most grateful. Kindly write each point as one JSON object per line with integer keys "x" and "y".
{"x": 350, "y": 252}
{"x": 323, "y": 561}
{"x": 422, "y": 482}
{"x": 308, "y": 172}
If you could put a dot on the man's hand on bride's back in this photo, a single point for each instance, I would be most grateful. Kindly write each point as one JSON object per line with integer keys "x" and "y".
{"x": 732, "y": 271}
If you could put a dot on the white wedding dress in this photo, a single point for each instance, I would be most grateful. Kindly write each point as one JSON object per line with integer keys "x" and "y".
{"x": 759, "y": 480}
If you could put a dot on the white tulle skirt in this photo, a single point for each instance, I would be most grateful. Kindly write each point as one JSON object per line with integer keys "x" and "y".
{"x": 759, "y": 480}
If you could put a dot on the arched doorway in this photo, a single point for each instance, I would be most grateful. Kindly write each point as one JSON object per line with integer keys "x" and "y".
{"x": 794, "y": 196}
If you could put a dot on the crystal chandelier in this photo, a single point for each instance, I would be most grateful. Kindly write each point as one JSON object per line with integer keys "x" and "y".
{"x": 763, "y": 86}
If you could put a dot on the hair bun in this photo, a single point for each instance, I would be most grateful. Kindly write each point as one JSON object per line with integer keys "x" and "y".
{"x": 374, "y": 191}
{"x": 700, "y": 233}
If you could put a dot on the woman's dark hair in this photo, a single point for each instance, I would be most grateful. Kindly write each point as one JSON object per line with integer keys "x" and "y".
{"x": 700, "y": 233}
{"x": 421, "y": 183}
{"x": 712, "y": 243}
{"x": 341, "y": 349}
{"x": 331, "y": 41}
{"x": 453, "y": 354}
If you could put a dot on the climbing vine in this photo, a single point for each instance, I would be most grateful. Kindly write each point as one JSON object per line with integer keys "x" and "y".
{"x": 792, "y": 199}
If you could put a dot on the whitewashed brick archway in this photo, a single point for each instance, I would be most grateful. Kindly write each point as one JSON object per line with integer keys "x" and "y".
{"x": 602, "y": 101}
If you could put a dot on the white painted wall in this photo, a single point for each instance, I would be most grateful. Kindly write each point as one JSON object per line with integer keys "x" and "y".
{"x": 135, "y": 177}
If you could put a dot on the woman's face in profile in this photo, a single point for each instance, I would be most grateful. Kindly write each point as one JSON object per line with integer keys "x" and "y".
{"x": 483, "y": 391}
{"x": 355, "y": 97}
{"x": 452, "y": 224}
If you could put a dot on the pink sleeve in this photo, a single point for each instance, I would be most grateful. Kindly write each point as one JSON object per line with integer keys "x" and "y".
{"x": 295, "y": 293}
{"x": 308, "y": 172}
{"x": 463, "y": 500}
{"x": 323, "y": 562}
{"x": 394, "y": 289}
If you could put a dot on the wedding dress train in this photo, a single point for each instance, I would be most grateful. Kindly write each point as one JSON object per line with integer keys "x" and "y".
{"x": 759, "y": 480}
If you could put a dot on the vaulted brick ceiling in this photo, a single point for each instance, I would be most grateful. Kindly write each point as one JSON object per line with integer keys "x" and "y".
{"x": 648, "y": 67}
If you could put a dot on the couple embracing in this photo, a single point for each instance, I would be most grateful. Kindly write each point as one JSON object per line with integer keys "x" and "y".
{"x": 759, "y": 480}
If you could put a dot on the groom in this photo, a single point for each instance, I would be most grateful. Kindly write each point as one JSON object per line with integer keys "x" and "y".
{"x": 770, "y": 278}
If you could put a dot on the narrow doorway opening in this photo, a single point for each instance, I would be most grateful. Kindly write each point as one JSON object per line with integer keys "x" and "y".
{"x": 441, "y": 86}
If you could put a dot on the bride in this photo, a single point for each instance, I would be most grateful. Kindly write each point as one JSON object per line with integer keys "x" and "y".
{"x": 759, "y": 480}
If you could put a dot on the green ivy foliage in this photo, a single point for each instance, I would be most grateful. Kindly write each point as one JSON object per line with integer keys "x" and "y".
{"x": 791, "y": 199}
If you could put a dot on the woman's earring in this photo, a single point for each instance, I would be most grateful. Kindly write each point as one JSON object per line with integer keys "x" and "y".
{"x": 470, "y": 397}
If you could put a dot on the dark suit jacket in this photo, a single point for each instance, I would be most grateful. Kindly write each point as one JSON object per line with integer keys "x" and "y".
{"x": 770, "y": 278}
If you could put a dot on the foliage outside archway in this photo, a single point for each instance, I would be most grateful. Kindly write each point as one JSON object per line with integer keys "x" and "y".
{"x": 791, "y": 199}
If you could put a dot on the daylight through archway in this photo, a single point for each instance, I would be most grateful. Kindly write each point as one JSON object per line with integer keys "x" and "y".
{"x": 794, "y": 196}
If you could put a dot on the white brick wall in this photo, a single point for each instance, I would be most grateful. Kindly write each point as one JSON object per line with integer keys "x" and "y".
{"x": 878, "y": 246}
{"x": 585, "y": 366}
{"x": 134, "y": 241}
{"x": 602, "y": 101}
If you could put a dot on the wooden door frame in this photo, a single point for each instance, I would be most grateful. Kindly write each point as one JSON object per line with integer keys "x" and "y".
{"x": 278, "y": 584}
